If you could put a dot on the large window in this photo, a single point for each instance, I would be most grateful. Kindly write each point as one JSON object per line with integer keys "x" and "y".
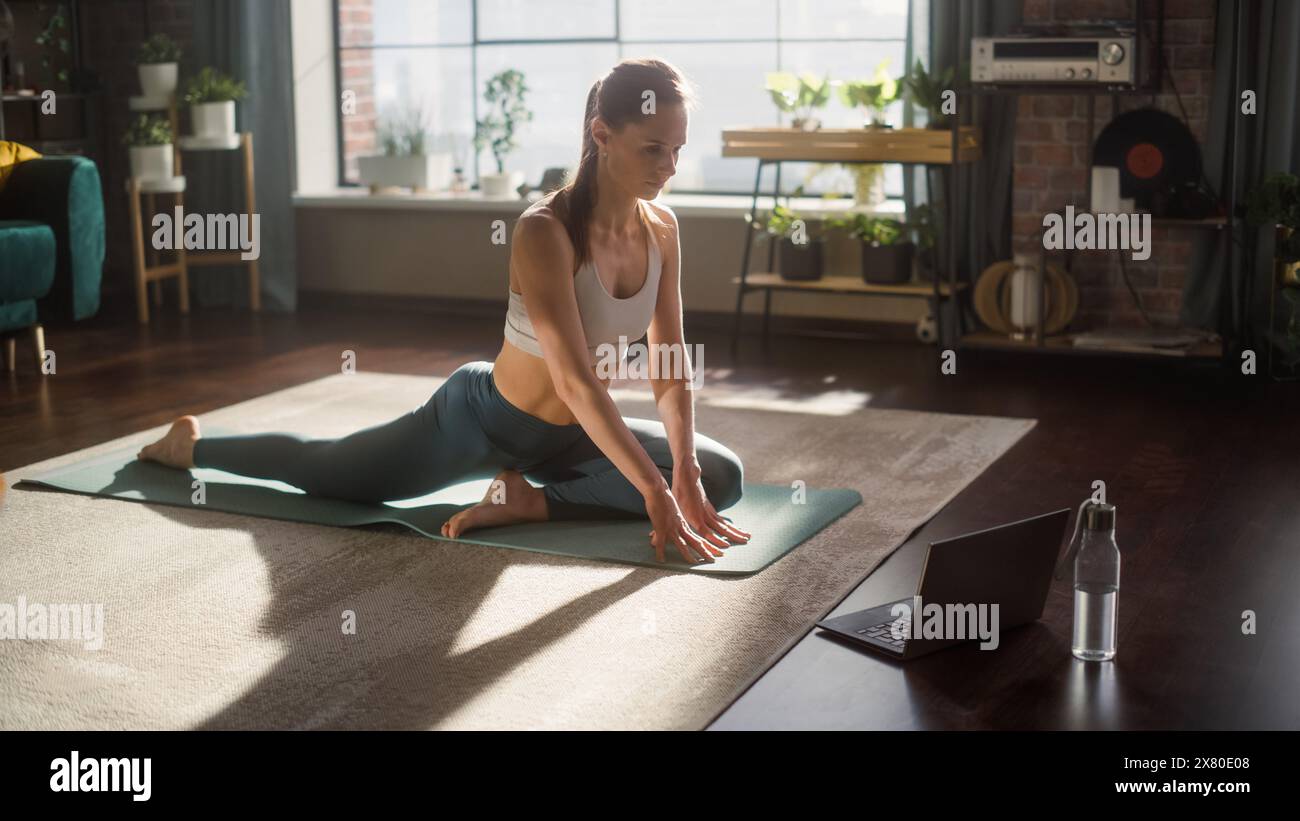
{"x": 437, "y": 56}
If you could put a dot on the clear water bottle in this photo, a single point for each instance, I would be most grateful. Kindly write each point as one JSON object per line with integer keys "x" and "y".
{"x": 1096, "y": 585}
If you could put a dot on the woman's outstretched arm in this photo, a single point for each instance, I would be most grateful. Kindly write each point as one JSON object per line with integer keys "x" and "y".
{"x": 675, "y": 397}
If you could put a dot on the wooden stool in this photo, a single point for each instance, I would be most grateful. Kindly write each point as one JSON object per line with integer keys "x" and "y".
{"x": 244, "y": 143}
{"x": 153, "y": 271}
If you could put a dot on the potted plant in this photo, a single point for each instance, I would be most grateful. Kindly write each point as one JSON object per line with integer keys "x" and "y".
{"x": 800, "y": 255}
{"x": 868, "y": 181}
{"x": 156, "y": 60}
{"x": 926, "y": 92}
{"x": 407, "y": 159}
{"x": 1276, "y": 202}
{"x": 212, "y": 95}
{"x": 149, "y": 139}
{"x": 886, "y": 253}
{"x": 799, "y": 95}
{"x": 873, "y": 95}
{"x": 505, "y": 95}
{"x": 868, "y": 184}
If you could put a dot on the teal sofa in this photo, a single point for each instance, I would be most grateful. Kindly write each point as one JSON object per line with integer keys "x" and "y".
{"x": 51, "y": 247}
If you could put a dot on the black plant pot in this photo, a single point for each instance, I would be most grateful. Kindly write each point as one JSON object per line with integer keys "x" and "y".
{"x": 801, "y": 262}
{"x": 887, "y": 264}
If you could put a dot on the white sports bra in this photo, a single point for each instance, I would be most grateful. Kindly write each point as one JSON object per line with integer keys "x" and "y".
{"x": 604, "y": 318}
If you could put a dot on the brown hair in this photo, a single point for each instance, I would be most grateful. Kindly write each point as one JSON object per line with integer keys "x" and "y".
{"x": 617, "y": 99}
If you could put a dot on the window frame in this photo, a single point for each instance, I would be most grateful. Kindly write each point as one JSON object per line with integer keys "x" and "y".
{"x": 475, "y": 42}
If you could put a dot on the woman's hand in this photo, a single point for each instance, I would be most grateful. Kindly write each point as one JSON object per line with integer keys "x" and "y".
{"x": 684, "y": 517}
{"x": 671, "y": 528}
{"x": 698, "y": 511}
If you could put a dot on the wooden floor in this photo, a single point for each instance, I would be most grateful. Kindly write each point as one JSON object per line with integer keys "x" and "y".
{"x": 1203, "y": 464}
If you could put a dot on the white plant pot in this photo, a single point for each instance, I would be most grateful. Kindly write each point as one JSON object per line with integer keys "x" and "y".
{"x": 157, "y": 79}
{"x": 429, "y": 172}
{"x": 151, "y": 162}
{"x": 501, "y": 185}
{"x": 213, "y": 119}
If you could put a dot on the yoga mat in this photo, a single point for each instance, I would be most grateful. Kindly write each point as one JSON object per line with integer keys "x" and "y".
{"x": 216, "y": 621}
{"x": 769, "y": 512}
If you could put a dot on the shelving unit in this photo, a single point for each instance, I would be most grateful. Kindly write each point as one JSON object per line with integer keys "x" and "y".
{"x": 1064, "y": 343}
{"x": 907, "y": 146}
{"x": 150, "y": 271}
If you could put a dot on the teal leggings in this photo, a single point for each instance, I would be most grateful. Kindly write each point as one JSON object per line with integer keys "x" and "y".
{"x": 466, "y": 431}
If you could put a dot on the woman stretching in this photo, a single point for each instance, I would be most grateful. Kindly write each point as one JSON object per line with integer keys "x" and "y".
{"x": 541, "y": 410}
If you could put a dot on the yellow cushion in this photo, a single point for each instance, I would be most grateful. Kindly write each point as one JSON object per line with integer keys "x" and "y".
{"x": 11, "y": 154}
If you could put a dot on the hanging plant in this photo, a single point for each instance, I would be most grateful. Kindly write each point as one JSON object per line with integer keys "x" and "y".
{"x": 55, "y": 45}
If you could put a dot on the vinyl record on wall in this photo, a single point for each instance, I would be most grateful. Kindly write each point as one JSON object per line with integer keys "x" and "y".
{"x": 1153, "y": 151}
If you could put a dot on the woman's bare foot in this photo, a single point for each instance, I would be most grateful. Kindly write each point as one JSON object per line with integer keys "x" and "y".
{"x": 518, "y": 502}
{"x": 176, "y": 449}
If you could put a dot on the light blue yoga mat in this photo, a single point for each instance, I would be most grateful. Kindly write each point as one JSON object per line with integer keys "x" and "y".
{"x": 768, "y": 512}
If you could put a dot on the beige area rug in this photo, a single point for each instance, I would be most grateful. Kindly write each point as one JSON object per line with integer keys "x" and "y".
{"x": 215, "y": 620}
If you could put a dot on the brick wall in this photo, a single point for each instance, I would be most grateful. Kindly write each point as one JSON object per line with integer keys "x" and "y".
{"x": 1053, "y": 157}
{"x": 356, "y": 28}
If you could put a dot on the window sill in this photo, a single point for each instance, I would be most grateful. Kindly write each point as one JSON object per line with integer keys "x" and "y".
{"x": 684, "y": 205}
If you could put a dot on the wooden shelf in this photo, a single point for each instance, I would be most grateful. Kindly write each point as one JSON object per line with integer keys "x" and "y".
{"x": 159, "y": 185}
{"x": 1178, "y": 222}
{"x": 885, "y": 145}
{"x": 843, "y": 285}
{"x": 1064, "y": 344}
{"x": 226, "y": 142}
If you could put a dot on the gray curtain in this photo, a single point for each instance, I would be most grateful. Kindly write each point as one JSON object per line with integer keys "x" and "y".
{"x": 249, "y": 39}
{"x": 947, "y": 21}
{"x": 1266, "y": 141}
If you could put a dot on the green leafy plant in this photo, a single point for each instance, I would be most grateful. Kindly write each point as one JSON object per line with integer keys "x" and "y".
{"x": 505, "y": 95}
{"x": 865, "y": 177}
{"x": 148, "y": 129}
{"x": 54, "y": 42}
{"x": 782, "y": 220}
{"x": 799, "y": 95}
{"x": 873, "y": 94}
{"x": 404, "y": 132}
{"x": 159, "y": 48}
{"x": 925, "y": 91}
{"x": 870, "y": 229}
{"x": 212, "y": 86}
{"x": 1276, "y": 202}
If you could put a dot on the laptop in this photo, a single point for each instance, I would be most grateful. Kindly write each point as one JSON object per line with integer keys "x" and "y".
{"x": 1010, "y": 566}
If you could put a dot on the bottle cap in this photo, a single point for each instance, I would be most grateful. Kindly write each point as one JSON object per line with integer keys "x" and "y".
{"x": 1099, "y": 517}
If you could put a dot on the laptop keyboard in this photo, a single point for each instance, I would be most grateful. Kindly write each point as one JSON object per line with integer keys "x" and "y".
{"x": 884, "y": 632}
